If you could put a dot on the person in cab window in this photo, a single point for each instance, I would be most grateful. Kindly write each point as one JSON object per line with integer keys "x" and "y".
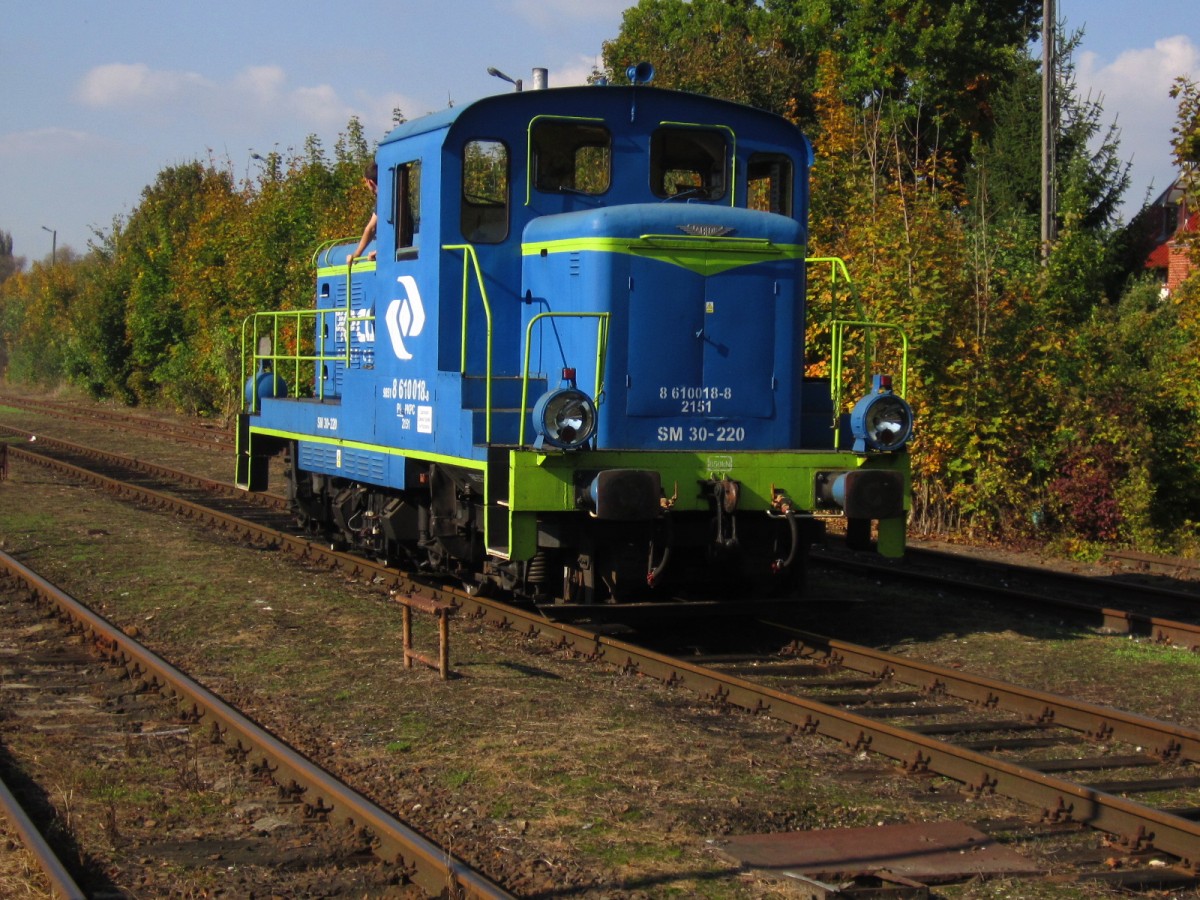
{"x": 371, "y": 179}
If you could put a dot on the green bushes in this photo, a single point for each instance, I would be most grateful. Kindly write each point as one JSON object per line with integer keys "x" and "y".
{"x": 153, "y": 313}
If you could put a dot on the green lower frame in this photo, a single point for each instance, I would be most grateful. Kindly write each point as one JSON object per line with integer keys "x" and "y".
{"x": 541, "y": 483}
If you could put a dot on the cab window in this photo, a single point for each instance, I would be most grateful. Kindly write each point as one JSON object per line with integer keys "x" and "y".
{"x": 769, "y": 183}
{"x": 571, "y": 156}
{"x": 485, "y": 192}
{"x": 688, "y": 163}
{"x": 406, "y": 209}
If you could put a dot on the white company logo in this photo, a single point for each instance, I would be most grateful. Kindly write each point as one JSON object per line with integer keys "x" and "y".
{"x": 405, "y": 316}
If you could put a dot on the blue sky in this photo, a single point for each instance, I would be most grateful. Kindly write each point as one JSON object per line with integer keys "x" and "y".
{"x": 100, "y": 96}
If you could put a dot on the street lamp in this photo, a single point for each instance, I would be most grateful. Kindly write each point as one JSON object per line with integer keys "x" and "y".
{"x": 53, "y": 243}
{"x": 270, "y": 161}
{"x": 496, "y": 73}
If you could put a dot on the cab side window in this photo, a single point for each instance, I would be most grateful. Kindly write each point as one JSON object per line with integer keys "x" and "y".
{"x": 406, "y": 209}
{"x": 485, "y": 192}
{"x": 572, "y": 157}
{"x": 769, "y": 183}
{"x": 688, "y": 163}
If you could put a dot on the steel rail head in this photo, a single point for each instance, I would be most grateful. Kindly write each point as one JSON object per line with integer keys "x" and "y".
{"x": 62, "y": 884}
{"x": 430, "y": 866}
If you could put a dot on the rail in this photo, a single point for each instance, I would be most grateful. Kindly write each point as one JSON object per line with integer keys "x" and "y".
{"x": 62, "y": 884}
{"x": 428, "y": 865}
{"x": 1140, "y": 825}
{"x": 471, "y": 259}
{"x": 290, "y": 326}
{"x": 601, "y": 351}
{"x": 837, "y": 337}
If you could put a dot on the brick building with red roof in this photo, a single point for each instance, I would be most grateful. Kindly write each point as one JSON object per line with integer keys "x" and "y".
{"x": 1164, "y": 221}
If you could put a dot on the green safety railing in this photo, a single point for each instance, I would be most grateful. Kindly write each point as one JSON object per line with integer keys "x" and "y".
{"x": 471, "y": 262}
{"x": 472, "y": 270}
{"x": 306, "y": 338}
{"x": 838, "y": 335}
{"x": 837, "y": 267}
{"x": 274, "y": 325}
{"x": 601, "y": 352}
{"x": 838, "y": 330}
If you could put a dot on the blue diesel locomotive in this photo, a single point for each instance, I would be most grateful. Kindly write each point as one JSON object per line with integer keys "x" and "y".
{"x": 575, "y": 369}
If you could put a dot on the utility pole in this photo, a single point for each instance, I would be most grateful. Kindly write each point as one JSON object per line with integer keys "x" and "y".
{"x": 1049, "y": 126}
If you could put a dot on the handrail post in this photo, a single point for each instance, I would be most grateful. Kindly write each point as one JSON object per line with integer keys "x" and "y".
{"x": 837, "y": 343}
{"x": 602, "y": 336}
{"x": 469, "y": 253}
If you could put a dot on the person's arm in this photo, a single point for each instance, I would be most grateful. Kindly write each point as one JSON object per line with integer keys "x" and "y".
{"x": 367, "y": 236}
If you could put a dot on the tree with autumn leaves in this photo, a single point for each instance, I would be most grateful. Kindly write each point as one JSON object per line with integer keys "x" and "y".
{"x": 153, "y": 314}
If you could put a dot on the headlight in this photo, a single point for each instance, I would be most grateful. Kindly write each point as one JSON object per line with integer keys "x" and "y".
{"x": 564, "y": 417}
{"x": 881, "y": 420}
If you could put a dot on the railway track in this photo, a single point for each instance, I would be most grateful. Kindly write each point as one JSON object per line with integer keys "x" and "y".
{"x": 136, "y": 712}
{"x": 1180, "y": 569}
{"x": 213, "y": 436}
{"x": 1167, "y": 616}
{"x": 59, "y": 881}
{"x": 977, "y": 755}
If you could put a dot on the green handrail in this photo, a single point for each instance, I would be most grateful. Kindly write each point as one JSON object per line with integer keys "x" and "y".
{"x": 837, "y": 337}
{"x": 601, "y": 352}
{"x": 470, "y": 257}
{"x": 836, "y": 265}
{"x": 269, "y": 324}
{"x": 327, "y": 245}
{"x": 350, "y": 317}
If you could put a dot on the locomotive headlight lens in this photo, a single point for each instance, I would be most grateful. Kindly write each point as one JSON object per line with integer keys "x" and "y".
{"x": 881, "y": 421}
{"x": 565, "y": 418}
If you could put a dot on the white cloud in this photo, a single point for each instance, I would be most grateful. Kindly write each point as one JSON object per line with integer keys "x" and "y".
{"x": 259, "y": 93}
{"x": 263, "y": 84}
{"x": 1135, "y": 90}
{"x": 49, "y": 142}
{"x": 320, "y": 105}
{"x": 574, "y": 71}
{"x": 122, "y": 84}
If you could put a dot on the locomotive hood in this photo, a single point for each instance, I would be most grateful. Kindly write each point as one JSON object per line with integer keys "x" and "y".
{"x": 665, "y": 221}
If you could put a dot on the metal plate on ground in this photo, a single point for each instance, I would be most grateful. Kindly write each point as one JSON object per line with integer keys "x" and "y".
{"x": 932, "y": 853}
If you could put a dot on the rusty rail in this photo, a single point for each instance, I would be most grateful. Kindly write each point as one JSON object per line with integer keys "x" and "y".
{"x": 62, "y": 885}
{"x": 427, "y": 865}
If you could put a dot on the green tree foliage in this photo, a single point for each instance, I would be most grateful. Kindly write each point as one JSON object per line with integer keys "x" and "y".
{"x": 733, "y": 49}
{"x": 938, "y": 62}
{"x": 153, "y": 314}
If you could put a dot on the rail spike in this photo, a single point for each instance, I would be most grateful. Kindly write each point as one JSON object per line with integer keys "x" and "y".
{"x": 919, "y": 764}
{"x": 986, "y": 785}
{"x": 1061, "y": 813}
{"x": 861, "y": 744}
